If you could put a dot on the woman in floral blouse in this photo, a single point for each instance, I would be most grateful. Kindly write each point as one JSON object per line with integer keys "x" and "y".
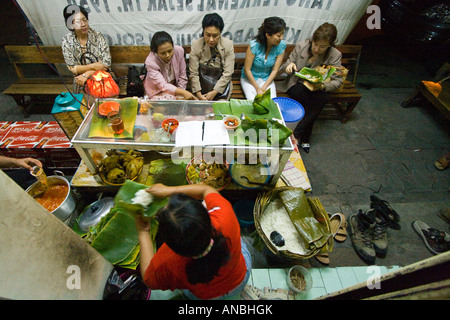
{"x": 85, "y": 50}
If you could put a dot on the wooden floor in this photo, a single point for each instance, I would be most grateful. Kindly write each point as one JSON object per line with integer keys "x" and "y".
{"x": 325, "y": 280}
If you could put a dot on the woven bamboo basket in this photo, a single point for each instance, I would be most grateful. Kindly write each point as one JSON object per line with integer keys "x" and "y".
{"x": 263, "y": 202}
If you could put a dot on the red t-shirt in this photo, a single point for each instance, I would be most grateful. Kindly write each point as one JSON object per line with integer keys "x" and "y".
{"x": 167, "y": 269}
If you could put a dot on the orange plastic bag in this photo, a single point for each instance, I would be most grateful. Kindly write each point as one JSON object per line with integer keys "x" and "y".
{"x": 102, "y": 85}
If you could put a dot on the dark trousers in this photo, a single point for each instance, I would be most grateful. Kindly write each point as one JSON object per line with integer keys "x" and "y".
{"x": 313, "y": 103}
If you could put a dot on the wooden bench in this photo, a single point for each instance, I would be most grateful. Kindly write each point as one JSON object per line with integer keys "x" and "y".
{"x": 340, "y": 104}
{"x": 51, "y": 85}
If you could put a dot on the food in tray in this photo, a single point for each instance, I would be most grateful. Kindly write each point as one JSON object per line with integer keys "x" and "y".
{"x": 108, "y": 106}
{"x": 214, "y": 175}
{"x": 170, "y": 125}
{"x": 144, "y": 106}
{"x": 231, "y": 122}
{"x": 119, "y": 166}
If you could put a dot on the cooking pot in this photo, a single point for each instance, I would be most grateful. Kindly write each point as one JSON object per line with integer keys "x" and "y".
{"x": 67, "y": 207}
{"x": 95, "y": 212}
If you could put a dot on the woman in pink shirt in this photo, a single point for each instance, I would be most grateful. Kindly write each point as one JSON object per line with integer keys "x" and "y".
{"x": 166, "y": 70}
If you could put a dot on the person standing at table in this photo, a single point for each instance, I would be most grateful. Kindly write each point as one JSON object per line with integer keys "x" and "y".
{"x": 263, "y": 59}
{"x": 214, "y": 51}
{"x": 202, "y": 251}
{"x": 317, "y": 51}
{"x": 85, "y": 50}
{"x": 166, "y": 70}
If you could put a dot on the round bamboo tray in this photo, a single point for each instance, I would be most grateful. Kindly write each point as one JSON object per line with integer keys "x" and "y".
{"x": 262, "y": 202}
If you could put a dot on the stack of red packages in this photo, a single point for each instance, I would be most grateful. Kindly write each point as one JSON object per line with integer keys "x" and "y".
{"x": 42, "y": 140}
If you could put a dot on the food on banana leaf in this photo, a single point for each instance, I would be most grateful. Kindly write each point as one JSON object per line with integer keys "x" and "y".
{"x": 263, "y": 103}
{"x": 262, "y": 131}
{"x": 214, "y": 175}
{"x": 118, "y": 166}
{"x": 143, "y": 198}
{"x": 166, "y": 172}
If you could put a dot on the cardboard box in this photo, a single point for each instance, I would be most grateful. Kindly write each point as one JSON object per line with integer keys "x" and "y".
{"x": 42, "y": 140}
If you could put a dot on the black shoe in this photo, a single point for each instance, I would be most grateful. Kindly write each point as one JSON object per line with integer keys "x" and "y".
{"x": 384, "y": 208}
{"x": 304, "y": 146}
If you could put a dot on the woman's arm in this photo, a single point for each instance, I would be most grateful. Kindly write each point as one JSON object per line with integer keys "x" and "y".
{"x": 196, "y": 191}
{"x": 26, "y": 163}
{"x": 147, "y": 250}
{"x": 249, "y": 57}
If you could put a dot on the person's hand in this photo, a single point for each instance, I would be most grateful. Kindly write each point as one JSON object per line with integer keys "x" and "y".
{"x": 81, "y": 80}
{"x": 142, "y": 223}
{"x": 159, "y": 190}
{"x": 201, "y": 96}
{"x": 260, "y": 91}
{"x": 28, "y": 163}
{"x": 211, "y": 95}
{"x": 291, "y": 67}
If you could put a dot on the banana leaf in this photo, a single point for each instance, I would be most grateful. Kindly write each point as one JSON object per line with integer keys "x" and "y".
{"x": 125, "y": 195}
{"x": 250, "y": 134}
{"x": 312, "y": 231}
{"x": 166, "y": 172}
{"x": 99, "y": 125}
{"x": 262, "y": 104}
{"x": 117, "y": 239}
{"x": 132, "y": 260}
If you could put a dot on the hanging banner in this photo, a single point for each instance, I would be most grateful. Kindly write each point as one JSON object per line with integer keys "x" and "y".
{"x": 133, "y": 22}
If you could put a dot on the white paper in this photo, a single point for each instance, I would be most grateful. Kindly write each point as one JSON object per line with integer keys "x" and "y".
{"x": 201, "y": 133}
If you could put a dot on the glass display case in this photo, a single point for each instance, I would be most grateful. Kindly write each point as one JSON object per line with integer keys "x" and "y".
{"x": 147, "y": 133}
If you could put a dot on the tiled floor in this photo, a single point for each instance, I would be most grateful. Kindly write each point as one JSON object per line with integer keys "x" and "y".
{"x": 325, "y": 280}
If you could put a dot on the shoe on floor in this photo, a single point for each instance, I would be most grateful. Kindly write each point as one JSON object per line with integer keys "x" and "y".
{"x": 444, "y": 214}
{"x": 435, "y": 240}
{"x": 304, "y": 146}
{"x": 360, "y": 228}
{"x": 384, "y": 208}
{"x": 379, "y": 234}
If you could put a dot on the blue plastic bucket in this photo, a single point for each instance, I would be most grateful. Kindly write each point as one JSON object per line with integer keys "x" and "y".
{"x": 291, "y": 110}
{"x": 244, "y": 213}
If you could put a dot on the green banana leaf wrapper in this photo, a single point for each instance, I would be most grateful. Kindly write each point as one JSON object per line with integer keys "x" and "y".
{"x": 275, "y": 132}
{"x": 166, "y": 172}
{"x": 314, "y": 76}
{"x": 115, "y": 236}
{"x": 314, "y": 233}
{"x": 125, "y": 195}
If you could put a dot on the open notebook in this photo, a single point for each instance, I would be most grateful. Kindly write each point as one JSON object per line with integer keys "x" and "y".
{"x": 201, "y": 133}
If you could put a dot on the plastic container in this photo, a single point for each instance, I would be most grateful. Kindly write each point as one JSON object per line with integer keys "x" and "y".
{"x": 306, "y": 275}
{"x": 291, "y": 110}
{"x": 244, "y": 213}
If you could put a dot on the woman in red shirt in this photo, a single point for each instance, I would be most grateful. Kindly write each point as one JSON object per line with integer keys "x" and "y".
{"x": 202, "y": 250}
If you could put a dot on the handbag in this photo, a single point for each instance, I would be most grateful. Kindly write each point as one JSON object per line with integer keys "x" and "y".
{"x": 209, "y": 75}
{"x": 102, "y": 85}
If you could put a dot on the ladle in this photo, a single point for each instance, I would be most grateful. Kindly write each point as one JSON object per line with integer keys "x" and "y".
{"x": 257, "y": 183}
{"x": 40, "y": 175}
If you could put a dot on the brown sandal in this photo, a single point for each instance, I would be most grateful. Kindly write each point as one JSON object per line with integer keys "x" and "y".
{"x": 443, "y": 162}
{"x": 323, "y": 257}
{"x": 338, "y": 227}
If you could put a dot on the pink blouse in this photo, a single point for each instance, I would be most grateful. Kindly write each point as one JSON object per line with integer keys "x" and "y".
{"x": 157, "y": 80}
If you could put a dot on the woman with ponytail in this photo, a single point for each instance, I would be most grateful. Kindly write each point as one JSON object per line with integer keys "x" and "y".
{"x": 201, "y": 252}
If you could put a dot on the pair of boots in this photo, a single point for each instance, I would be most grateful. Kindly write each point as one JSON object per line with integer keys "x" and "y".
{"x": 368, "y": 231}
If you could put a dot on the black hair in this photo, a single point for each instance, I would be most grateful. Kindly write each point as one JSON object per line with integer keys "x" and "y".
{"x": 158, "y": 39}
{"x": 325, "y": 32}
{"x": 70, "y": 10}
{"x": 185, "y": 226}
{"x": 270, "y": 26}
{"x": 213, "y": 20}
